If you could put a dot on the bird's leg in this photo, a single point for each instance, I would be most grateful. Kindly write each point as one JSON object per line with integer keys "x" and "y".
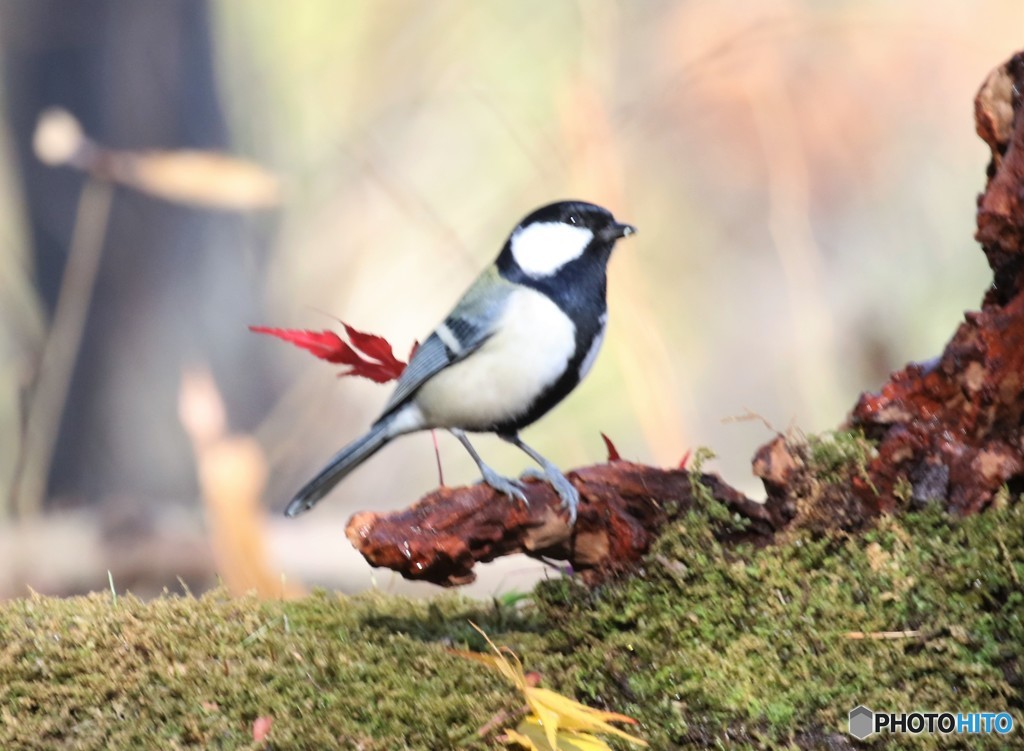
{"x": 502, "y": 484}
{"x": 552, "y": 474}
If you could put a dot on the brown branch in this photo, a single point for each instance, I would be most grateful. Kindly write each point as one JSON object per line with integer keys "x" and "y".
{"x": 624, "y": 505}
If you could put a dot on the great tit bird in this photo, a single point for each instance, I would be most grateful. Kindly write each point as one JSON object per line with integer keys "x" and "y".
{"x": 520, "y": 339}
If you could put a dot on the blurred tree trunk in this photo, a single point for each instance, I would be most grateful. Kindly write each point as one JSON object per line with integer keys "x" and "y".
{"x": 176, "y": 285}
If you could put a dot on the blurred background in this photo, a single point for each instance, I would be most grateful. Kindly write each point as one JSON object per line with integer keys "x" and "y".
{"x": 803, "y": 176}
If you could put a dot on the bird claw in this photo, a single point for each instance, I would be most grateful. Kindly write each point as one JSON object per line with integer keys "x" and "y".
{"x": 568, "y": 493}
{"x": 511, "y": 488}
{"x": 561, "y": 485}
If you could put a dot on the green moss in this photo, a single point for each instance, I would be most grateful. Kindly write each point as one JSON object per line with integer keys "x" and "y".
{"x": 746, "y": 648}
{"x": 834, "y": 455}
{"x": 704, "y": 498}
{"x": 369, "y": 672}
{"x": 707, "y": 646}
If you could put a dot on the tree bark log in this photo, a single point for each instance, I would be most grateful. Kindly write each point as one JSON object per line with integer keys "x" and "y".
{"x": 624, "y": 505}
{"x": 950, "y": 430}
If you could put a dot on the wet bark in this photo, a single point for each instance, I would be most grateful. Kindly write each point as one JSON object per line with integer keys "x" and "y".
{"x": 950, "y": 430}
{"x": 624, "y": 505}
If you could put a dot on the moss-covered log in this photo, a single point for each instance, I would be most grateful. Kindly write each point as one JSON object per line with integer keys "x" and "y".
{"x": 737, "y": 647}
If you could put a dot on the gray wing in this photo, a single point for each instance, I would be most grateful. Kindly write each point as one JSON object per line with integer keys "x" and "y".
{"x": 463, "y": 332}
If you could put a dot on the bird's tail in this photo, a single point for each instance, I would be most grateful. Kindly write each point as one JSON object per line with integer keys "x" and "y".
{"x": 344, "y": 462}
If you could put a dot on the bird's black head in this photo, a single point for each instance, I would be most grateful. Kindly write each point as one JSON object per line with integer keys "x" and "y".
{"x": 559, "y": 235}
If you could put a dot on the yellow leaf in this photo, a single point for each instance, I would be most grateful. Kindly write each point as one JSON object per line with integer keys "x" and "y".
{"x": 512, "y": 672}
{"x": 490, "y": 661}
{"x": 581, "y": 742}
{"x": 549, "y": 720}
{"x": 572, "y": 715}
{"x": 532, "y": 735}
{"x": 514, "y": 737}
{"x": 556, "y": 719}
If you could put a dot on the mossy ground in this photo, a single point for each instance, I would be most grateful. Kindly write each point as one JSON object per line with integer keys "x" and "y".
{"x": 748, "y": 648}
{"x": 707, "y": 646}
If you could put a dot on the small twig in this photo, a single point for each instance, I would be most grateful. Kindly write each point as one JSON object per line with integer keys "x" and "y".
{"x": 878, "y": 635}
{"x": 749, "y": 415}
{"x": 60, "y": 352}
{"x": 437, "y": 456}
{"x": 1008, "y": 561}
{"x": 259, "y": 632}
{"x": 185, "y": 589}
{"x": 113, "y": 591}
{"x": 313, "y": 682}
{"x": 502, "y": 718}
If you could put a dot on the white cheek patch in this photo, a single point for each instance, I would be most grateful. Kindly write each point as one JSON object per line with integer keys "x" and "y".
{"x": 542, "y": 249}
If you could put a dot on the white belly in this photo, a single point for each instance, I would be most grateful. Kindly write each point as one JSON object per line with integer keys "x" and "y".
{"x": 533, "y": 343}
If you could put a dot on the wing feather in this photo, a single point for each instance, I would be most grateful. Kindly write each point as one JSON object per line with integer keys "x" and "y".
{"x": 462, "y": 333}
{"x": 431, "y": 357}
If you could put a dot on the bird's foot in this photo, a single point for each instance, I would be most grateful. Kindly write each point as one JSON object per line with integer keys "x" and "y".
{"x": 511, "y": 488}
{"x": 561, "y": 485}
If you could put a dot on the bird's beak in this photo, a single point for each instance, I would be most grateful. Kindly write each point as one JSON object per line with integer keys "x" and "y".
{"x": 616, "y": 231}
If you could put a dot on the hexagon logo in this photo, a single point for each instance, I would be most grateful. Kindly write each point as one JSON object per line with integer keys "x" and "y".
{"x": 862, "y": 722}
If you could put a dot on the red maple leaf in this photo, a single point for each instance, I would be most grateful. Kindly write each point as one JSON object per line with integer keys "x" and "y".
{"x": 613, "y": 453}
{"x": 366, "y": 355}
